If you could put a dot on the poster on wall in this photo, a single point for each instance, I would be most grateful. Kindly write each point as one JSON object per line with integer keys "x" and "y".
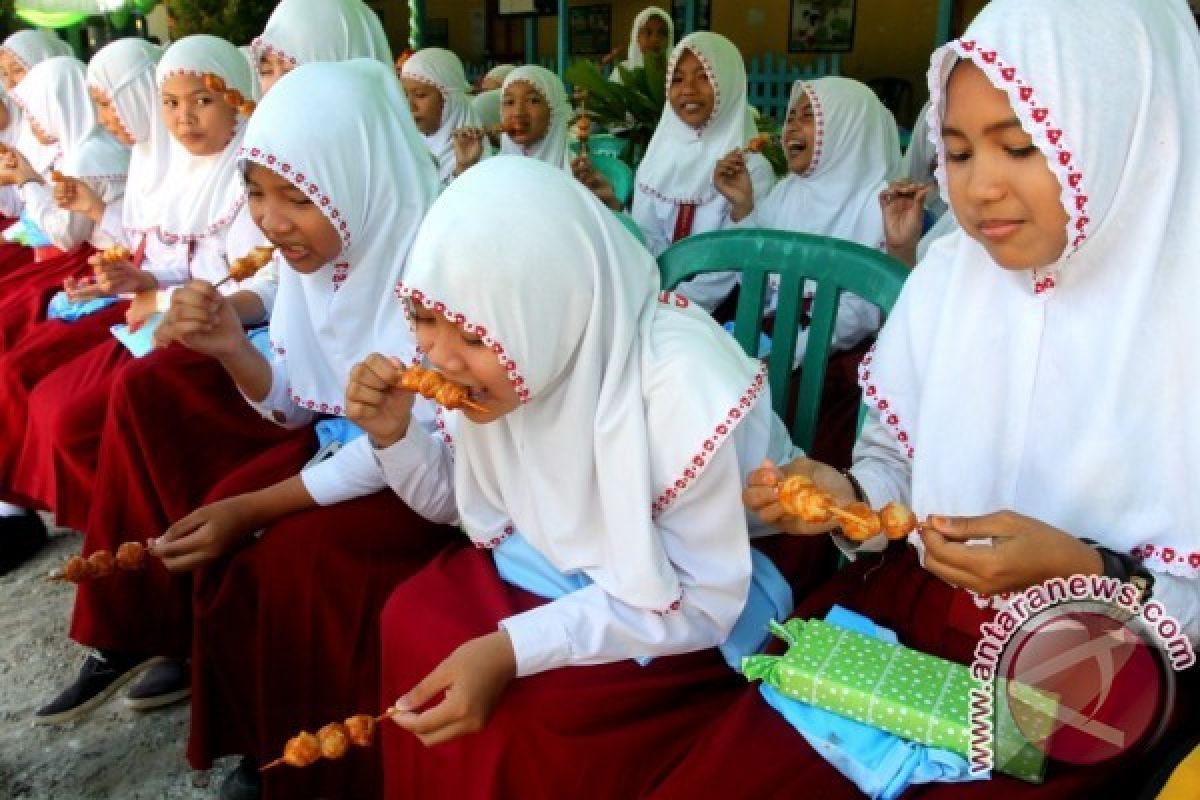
{"x": 590, "y": 29}
{"x": 821, "y": 26}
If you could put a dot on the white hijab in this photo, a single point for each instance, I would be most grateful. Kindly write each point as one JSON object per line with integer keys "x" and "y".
{"x": 54, "y": 94}
{"x": 551, "y": 148}
{"x": 919, "y": 158}
{"x": 601, "y": 443}
{"x": 856, "y": 148}
{"x": 31, "y": 47}
{"x": 8, "y": 136}
{"x": 125, "y": 70}
{"x": 1065, "y": 394}
{"x": 202, "y": 194}
{"x": 679, "y": 160}
{"x": 305, "y": 31}
{"x": 634, "y": 57}
{"x": 500, "y": 72}
{"x": 443, "y": 70}
{"x": 328, "y": 321}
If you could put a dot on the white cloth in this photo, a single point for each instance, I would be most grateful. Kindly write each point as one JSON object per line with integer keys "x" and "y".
{"x": 499, "y": 72}
{"x": 552, "y": 147}
{"x": 442, "y": 70}
{"x": 920, "y": 159}
{"x": 855, "y": 150}
{"x": 10, "y": 196}
{"x": 327, "y": 321}
{"x": 33, "y": 46}
{"x": 583, "y": 466}
{"x": 125, "y": 71}
{"x": 202, "y": 194}
{"x": 306, "y": 31}
{"x": 248, "y": 53}
{"x": 634, "y": 57}
{"x": 680, "y": 159}
{"x": 487, "y": 107}
{"x": 1064, "y": 393}
{"x": 946, "y": 225}
{"x": 54, "y": 94}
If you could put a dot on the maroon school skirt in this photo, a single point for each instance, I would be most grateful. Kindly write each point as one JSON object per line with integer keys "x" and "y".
{"x": 46, "y": 348}
{"x": 598, "y": 731}
{"x": 174, "y": 426}
{"x": 752, "y": 752}
{"x": 26, "y": 290}
{"x": 287, "y": 631}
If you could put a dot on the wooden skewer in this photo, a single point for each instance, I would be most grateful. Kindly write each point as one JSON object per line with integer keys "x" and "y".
{"x": 845, "y": 515}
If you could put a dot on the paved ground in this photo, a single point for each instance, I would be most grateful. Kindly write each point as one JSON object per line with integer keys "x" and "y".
{"x": 112, "y": 754}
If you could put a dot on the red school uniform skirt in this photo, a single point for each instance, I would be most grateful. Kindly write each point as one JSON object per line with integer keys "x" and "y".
{"x": 173, "y": 426}
{"x": 751, "y": 751}
{"x": 287, "y": 631}
{"x": 26, "y": 290}
{"x": 47, "y": 347}
{"x": 603, "y": 731}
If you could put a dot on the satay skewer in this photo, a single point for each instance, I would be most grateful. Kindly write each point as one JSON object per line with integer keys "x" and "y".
{"x": 248, "y": 265}
{"x": 758, "y": 143}
{"x": 130, "y": 557}
{"x": 434, "y": 386}
{"x": 331, "y": 742}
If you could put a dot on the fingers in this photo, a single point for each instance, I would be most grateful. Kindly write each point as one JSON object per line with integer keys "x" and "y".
{"x": 962, "y": 529}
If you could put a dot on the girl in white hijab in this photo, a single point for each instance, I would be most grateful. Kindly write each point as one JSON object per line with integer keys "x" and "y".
{"x": 437, "y": 87}
{"x": 842, "y": 146}
{"x": 617, "y": 424}
{"x": 304, "y": 31}
{"x": 55, "y": 105}
{"x": 534, "y": 111}
{"x": 704, "y": 119}
{"x": 653, "y": 29}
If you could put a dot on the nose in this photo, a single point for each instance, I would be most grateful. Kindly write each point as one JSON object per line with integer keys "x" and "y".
{"x": 442, "y": 350}
{"x": 274, "y": 223}
{"x": 985, "y": 179}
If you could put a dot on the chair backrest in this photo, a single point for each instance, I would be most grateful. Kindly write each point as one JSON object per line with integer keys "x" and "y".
{"x": 602, "y": 144}
{"x": 833, "y": 265}
{"x": 618, "y": 174}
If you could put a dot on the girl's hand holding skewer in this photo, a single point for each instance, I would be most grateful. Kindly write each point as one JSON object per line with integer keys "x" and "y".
{"x": 585, "y": 173}
{"x": 468, "y": 148}
{"x": 15, "y": 169}
{"x": 374, "y": 401}
{"x": 762, "y": 495}
{"x": 732, "y": 179}
{"x": 115, "y": 273}
{"x": 903, "y": 205}
{"x": 72, "y": 194}
{"x": 201, "y": 319}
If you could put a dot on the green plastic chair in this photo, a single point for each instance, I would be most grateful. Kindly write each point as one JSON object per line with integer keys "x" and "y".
{"x": 618, "y": 173}
{"x": 602, "y": 144}
{"x": 832, "y": 264}
{"x": 631, "y": 226}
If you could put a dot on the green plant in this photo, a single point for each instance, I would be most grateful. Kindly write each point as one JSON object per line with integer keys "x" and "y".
{"x": 629, "y": 109}
{"x": 239, "y": 21}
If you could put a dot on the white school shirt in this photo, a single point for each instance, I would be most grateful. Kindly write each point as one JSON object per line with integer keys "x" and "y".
{"x": 590, "y": 626}
{"x": 65, "y": 229}
{"x": 656, "y": 219}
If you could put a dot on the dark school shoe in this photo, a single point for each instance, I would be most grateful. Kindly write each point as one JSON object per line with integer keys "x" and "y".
{"x": 103, "y": 673}
{"x": 21, "y": 537}
{"x": 167, "y": 682}
{"x": 244, "y": 783}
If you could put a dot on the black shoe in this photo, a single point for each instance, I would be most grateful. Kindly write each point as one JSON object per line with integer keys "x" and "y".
{"x": 167, "y": 682}
{"x": 102, "y": 674}
{"x": 20, "y": 539}
{"x": 244, "y": 783}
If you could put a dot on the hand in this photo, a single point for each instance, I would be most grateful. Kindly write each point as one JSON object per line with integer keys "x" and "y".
{"x": 732, "y": 179}
{"x": 77, "y": 196}
{"x": 201, "y": 319}
{"x": 761, "y": 494}
{"x": 206, "y": 534}
{"x": 81, "y": 290}
{"x": 903, "y": 206}
{"x": 583, "y": 171}
{"x": 144, "y": 306}
{"x": 15, "y": 169}
{"x": 468, "y": 147}
{"x": 472, "y": 679}
{"x": 121, "y": 277}
{"x": 375, "y": 404}
{"x": 1023, "y": 552}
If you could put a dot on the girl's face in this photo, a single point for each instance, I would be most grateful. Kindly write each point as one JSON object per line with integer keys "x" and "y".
{"x": 4, "y": 117}
{"x": 12, "y": 71}
{"x": 652, "y": 35}
{"x": 692, "y": 97}
{"x": 464, "y": 358}
{"x": 199, "y": 120}
{"x": 426, "y": 104}
{"x": 290, "y": 220}
{"x": 799, "y": 135}
{"x": 271, "y": 68}
{"x": 107, "y": 116}
{"x": 525, "y": 113}
{"x": 1001, "y": 188}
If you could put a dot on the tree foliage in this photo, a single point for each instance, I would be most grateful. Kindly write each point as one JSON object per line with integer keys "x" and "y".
{"x": 239, "y": 21}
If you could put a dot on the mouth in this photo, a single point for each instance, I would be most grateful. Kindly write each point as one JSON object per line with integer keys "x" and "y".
{"x": 692, "y": 109}
{"x": 795, "y": 146}
{"x": 998, "y": 229}
{"x": 478, "y": 395}
{"x": 292, "y": 252}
